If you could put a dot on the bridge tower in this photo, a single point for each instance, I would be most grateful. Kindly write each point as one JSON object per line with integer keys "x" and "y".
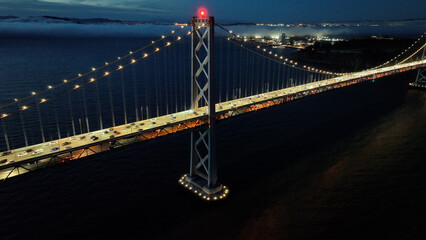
{"x": 421, "y": 74}
{"x": 202, "y": 176}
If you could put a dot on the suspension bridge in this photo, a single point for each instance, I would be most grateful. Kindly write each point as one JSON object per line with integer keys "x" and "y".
{"x": 186, "y": 81}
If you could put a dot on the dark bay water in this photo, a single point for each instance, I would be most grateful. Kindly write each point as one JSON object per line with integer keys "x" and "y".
{"x": 346, "y": 164}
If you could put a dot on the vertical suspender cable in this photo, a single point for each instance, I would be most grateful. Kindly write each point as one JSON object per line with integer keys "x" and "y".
{"x": 145, "y": 81}
{"x": 41, "y": 123}
{"x": 156, "y": 84}
{"x": 123, "y": 94}
{"x": 175, "y": 78}
{"x": 135, "y": 92}
{"x": 220, "y": 69}
{"x": 99, "y": 105}
{"x": 111, "y": 101}
{"x": 58, "y": 130}
{"x": 253, "y": 78}
{"x": 85, "y": 106}
{"x": 71, "y": 115}
{"x": 23, "y": 129}
{"x": 166, "y": 79}
{"x": 247, "y": 75}
{"x": 6, "y": 139}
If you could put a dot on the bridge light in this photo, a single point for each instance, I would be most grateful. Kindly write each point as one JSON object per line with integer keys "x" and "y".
{"x": 4, "y": 115}
{"x": 49, "y": 87}
{"x": 24, "y": 107}
{"x": 15, "y": 99}
{"x": 133, "y": 61}
{"x": 202, "y": 13}
{"x": 65, "y": 81}
{"x": 43, "y": 100}
{"x": 93, "y": 69}
{"x": 76, "y": 86}
{"x": 92, "y": 79}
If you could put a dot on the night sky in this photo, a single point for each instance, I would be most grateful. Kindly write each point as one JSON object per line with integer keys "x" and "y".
{"x": 226, "y": 10}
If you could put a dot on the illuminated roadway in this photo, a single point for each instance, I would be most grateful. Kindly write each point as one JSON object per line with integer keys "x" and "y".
{"x": 44, "y": 151}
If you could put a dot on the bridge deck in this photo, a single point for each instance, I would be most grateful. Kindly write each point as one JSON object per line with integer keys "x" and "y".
{"x": 43, "y": 152}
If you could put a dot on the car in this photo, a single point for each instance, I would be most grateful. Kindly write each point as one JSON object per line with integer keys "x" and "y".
{"x": 106, "y": 132}
{"x": 133, "y": 124}
{"x": 111, "y": 136}
{"x": 117, "y": 132}
{"x": 128, "y": 126}
{"x": 68, "y": 147}
{"x": 54, "y": 149}
{"x": 11, "y": 161}
{"x": 94, "y": 138}
{"x": 141, "y": 124}
{"x": 21, "y": 154}
{"x": 38, "y": 152}
{"x": 29, "y": 150}
{"x": 140, "y": 130}
{"x": 3, "y": 161}
{"x": 6, "y": 153}
{"x": 66, "y": 143}
{"x": 82, "y": 137}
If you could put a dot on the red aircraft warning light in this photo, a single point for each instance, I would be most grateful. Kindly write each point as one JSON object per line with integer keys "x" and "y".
{"x": 202, "y": 13}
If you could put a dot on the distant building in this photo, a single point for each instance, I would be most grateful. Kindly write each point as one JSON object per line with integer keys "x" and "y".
{"x": 283, "y": 36}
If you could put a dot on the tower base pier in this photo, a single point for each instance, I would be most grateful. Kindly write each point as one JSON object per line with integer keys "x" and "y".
{"x": 198, "y": 186}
